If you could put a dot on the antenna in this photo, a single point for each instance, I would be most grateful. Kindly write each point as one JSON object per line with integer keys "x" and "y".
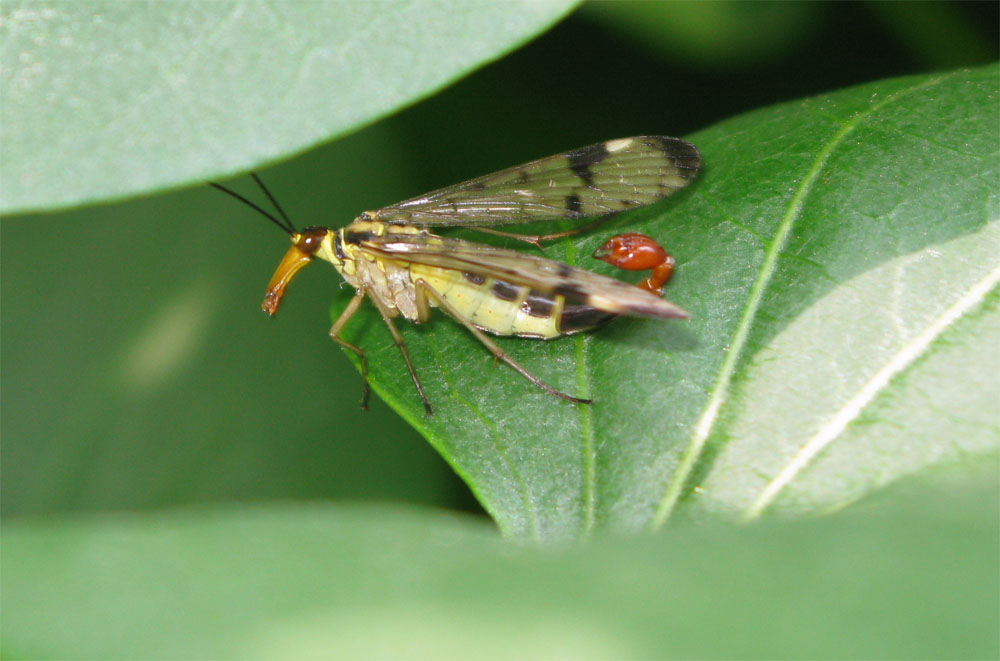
{"x": 286, "y": 226}
{"x": 277, "y": 206}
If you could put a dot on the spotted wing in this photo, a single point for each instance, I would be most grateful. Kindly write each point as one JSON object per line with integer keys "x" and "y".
{"x": 591, "y": 181}
{"x": 513, "y": 267}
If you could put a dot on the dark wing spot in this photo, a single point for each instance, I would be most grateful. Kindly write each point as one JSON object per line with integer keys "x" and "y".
{"x": 580, "y": 317}
{"x": 523, "y": 176}
{"x": 581, "y": 160}
{"x": 538, "y": 304}
{"x": 474, "y": 278}
{"x": 564, "y": 270}
{"x": 573, "y": 203}
{"x": 505, "y": 291}
{"x": 681, "y": 153}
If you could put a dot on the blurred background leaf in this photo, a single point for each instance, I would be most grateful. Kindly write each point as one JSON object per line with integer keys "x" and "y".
{"x": 713, "y": 34}
{"x": 722, "y": 34}
{"x": 911, "y": 575}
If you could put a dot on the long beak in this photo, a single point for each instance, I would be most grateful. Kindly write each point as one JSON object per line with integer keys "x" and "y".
{"x": 289, "y": 267}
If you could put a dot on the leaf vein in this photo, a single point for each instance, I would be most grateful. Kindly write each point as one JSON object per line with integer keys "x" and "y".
{"x": 587, "y": 445}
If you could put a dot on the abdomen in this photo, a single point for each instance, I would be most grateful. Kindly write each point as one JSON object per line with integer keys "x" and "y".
{"x": 503, "y": 308}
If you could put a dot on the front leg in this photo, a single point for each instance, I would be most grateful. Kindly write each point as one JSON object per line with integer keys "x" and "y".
{"x": 398, "y": 339}
{"x": 338, "y": 326}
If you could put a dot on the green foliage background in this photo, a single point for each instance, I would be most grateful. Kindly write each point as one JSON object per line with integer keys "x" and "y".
{"x": 170, "y": 455}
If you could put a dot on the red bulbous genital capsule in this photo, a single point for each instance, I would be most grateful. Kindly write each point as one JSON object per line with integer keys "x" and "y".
{"x": 632, "y": 251}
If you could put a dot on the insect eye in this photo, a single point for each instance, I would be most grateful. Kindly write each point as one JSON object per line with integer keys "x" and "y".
{"x": 311, "y": 239}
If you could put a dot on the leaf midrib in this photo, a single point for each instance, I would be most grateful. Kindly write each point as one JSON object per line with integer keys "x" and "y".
{"x": 587, "y": 446}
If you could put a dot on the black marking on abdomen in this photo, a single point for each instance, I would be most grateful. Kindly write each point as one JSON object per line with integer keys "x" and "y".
{"x": 579, "y": 317}
{"x": 505, "y": 291}
{"x": 474, "y": 278}
{"x": 569, "y": 289}
{"x": 581, "y": 160}
{"x": 538, "y": 304}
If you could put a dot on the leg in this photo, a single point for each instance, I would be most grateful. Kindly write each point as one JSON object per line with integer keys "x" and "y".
{"x": 527, "y": 238}
{"x": 536, "y": 239}
{"x": 398, "y": 339}
{"x": 600, "y": 220}
{"x": 338, "y": 326}
{"x": 424, "y": 290}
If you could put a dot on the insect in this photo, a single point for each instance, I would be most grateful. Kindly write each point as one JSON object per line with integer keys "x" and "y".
{"x": 391, "y": 257}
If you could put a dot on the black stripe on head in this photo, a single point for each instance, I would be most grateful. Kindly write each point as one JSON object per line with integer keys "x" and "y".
{"x": 505, "y": 291}
{"x": 579, "y": 317}
{"x": 581, "y": 160}
{"x": 474, "y": 278}
{"x": 538, "y": 304}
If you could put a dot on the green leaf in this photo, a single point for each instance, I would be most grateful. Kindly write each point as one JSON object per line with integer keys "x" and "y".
{"x": 912, "y": 575}
{"x": 839, "y": 261}
{"x": 107, "y": 99}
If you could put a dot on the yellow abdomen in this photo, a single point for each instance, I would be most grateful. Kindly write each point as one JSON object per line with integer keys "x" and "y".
{"x": 494, "y": 305}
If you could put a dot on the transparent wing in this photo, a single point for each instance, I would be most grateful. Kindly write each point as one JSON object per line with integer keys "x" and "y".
{"x": 591, "y": 181}
{"x": 511, "y": 266}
